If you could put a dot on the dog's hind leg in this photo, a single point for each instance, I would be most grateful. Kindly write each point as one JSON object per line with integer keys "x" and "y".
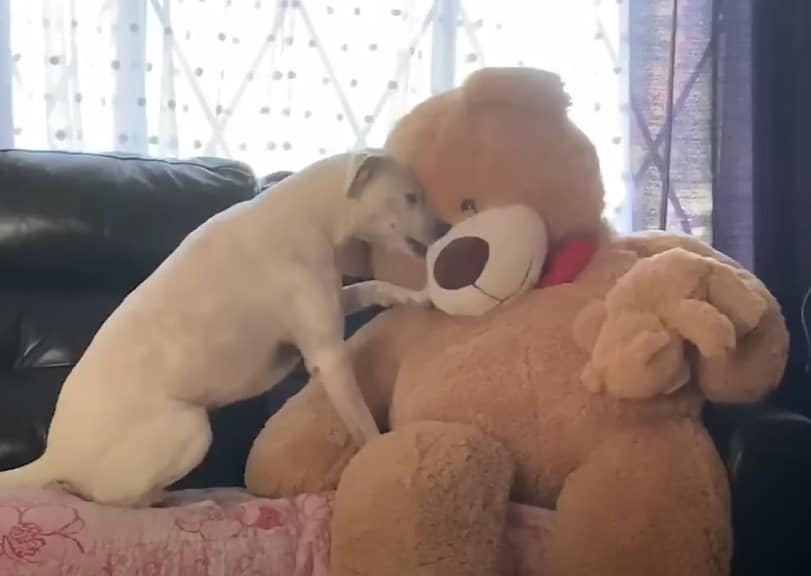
{"x": 153, "y": 454}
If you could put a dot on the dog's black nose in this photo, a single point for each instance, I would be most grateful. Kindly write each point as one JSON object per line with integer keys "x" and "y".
{"x": 461, "y": 262}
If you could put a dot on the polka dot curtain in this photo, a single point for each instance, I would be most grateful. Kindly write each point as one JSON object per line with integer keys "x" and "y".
{"x": 279, "y": 84}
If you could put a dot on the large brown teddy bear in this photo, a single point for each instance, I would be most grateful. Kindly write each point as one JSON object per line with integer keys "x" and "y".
{"x": 583, "y": 395}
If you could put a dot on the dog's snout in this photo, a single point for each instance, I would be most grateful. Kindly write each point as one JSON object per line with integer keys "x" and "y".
{"x": 461, "y": 262}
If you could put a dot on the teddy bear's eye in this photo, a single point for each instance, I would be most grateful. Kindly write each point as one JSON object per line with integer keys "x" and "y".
{"x": 412, "y": 199}
{"x": 468, "y": 206}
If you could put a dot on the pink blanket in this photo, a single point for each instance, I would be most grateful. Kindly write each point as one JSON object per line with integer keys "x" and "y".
{"x": 202, "y": 533}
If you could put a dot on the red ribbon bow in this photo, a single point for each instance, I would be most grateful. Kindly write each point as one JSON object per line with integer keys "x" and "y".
{"x": 566, "y": 261}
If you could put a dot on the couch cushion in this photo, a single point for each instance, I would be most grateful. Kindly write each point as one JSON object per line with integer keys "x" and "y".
{"x": 205, "y": 532}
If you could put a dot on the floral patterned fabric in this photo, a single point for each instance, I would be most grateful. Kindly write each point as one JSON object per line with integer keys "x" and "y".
{"x": 222, "y": 532}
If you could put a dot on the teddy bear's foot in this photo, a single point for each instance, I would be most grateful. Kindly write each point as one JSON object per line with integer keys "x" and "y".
{"x": 426, "y": 500}
{"x": 303, "y": 448}
{"x": 648, "y": 501}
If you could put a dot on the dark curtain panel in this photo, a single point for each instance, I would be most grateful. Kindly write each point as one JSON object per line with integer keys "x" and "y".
{"x": 732, "y": 129}
{"x": 781, "y": 110}
{"x": 781, "y": 88}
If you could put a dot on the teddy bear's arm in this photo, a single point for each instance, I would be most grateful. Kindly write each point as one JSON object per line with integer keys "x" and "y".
{"x": 305, "y": 446}
{"x": 650, "y": 242}
{"x": 754, "y": 368}
{"x": 736, "y": 324}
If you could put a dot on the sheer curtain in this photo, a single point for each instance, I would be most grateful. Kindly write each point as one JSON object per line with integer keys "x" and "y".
{"x": 278, "y": 84}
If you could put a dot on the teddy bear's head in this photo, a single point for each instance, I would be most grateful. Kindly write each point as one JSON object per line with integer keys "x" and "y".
{"x": 497, "y": 147}
{"x": 502, "y": 138}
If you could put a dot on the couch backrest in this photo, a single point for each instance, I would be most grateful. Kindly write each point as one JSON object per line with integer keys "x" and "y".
{"x": 77, "y": 233}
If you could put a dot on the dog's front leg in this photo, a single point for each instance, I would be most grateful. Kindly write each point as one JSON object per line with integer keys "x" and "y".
{"x": 362, "y": 295}
{"x": 332, "y": 368}
{"x": 317, "y": 327}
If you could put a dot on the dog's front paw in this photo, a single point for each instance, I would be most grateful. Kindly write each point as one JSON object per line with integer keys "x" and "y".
{"x": 392, "y": 295}
{"x": 418, "y": 298}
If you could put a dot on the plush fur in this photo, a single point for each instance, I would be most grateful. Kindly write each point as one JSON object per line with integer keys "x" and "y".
{"x": 537, "y": 400}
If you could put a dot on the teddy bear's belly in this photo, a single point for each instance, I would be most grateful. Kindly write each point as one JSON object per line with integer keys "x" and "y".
{"x": 518, "y": 380}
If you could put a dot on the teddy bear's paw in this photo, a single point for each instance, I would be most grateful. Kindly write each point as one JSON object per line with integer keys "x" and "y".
{"x": 655, "y": 364}
{"x": 705, "y": 326}
{"x": 666, "y": 276}
{"x": 681, "y": 379}
{"x": 733, "y": 292}
{"x": 591, "y": 380}
{"x": 644, "y": 365}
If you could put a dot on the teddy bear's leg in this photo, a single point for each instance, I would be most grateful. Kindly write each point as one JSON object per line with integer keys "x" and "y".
{"x": 302, "y": 448}
{"x": 648, "y": 501}
{"x": 426, "y": 500}
{"x": 305, "y": 446}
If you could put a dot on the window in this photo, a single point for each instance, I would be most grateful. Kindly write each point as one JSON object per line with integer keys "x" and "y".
{"x": 278, "y": 84}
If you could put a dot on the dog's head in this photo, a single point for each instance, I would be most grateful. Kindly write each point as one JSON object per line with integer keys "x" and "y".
{"x": 388, "y": 207}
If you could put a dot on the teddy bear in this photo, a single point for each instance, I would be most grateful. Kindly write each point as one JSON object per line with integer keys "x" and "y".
{"x": 563, "y": 365}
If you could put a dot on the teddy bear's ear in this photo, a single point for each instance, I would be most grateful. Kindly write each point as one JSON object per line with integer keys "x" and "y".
{"x": 522, "y": 87}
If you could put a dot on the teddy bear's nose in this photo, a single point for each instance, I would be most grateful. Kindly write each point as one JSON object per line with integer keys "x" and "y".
{"x": 461, "y": 262}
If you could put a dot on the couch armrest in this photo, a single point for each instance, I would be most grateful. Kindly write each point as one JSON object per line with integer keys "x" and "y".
{"x": 770, "y": 466}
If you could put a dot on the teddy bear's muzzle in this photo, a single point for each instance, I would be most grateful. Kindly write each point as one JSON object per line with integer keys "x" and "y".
{"x": 486, "y": 260}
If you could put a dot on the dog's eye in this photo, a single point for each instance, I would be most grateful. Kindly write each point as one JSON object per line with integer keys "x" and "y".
{"x": 411, "y": 199}
{"x": 468, "y": 206}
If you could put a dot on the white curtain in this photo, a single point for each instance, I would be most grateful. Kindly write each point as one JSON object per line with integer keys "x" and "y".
{"x": 278, "y": 84}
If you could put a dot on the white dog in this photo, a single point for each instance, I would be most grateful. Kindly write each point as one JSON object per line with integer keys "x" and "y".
{"x": 218, "y": 322}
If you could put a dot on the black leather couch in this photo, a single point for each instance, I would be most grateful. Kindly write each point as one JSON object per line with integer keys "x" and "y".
{"x": 79, "y": 231}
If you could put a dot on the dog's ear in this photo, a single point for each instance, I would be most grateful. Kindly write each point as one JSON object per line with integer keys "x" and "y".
{"x": 365, "y": 166}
